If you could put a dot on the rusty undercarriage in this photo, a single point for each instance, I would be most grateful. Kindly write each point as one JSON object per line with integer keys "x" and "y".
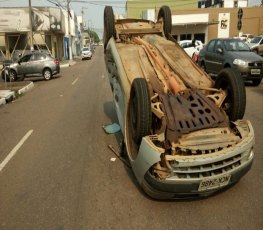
{"x": 184, "y": 133}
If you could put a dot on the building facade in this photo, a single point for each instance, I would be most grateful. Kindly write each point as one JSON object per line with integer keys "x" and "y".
{"x": 208, "y": 23}
{"x": 137, "y": 9}
{"x": 222, "y": 3}
{"x": 49, "y": 32}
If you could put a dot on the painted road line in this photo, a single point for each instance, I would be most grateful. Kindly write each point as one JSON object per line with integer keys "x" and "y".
{"x": 75, "y": 81}
{"x": 15, "y": 149}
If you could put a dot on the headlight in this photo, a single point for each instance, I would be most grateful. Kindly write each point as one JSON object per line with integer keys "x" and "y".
{"x": 240, "y": 62}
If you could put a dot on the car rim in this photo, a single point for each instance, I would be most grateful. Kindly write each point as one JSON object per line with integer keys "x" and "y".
{"x": 12, "y": 76}
{"x": 47, "y": 75}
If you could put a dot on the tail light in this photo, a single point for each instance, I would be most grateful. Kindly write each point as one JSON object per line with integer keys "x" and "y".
{"x": 56, "y": 61}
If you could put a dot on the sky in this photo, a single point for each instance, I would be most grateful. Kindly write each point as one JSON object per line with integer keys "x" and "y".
{"x": 92, "y": 10}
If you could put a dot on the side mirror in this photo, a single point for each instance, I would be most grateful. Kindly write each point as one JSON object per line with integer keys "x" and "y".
{"x": 219, "y": 50}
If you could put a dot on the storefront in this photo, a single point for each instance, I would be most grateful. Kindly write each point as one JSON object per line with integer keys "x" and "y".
{"x": 47, "y": 31}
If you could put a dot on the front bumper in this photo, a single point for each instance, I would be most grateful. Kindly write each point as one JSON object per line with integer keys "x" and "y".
{"x": 187, "y": 188}
{"x": 250, "y": 73}
{"x": 88, "y": 55}
{"x": 186, "y": 175}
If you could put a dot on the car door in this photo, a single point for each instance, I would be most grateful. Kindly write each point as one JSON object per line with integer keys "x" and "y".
{"x": 218, "y": 57}
{"x": 209, "y": 56}
{"x": 38, "y": 63}
{"x": 24, "y": 65}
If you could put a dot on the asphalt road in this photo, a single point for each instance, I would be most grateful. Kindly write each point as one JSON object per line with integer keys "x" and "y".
{"x": 62, "y": 176}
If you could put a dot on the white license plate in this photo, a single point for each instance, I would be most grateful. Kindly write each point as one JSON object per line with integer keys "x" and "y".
{"x": 213, "y": 183}
{"x": 255, "y": 71}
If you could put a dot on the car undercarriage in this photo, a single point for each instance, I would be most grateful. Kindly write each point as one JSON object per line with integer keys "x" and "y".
{"x": 184, "y": 133}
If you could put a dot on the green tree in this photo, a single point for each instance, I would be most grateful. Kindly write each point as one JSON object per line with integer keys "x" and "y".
{"x": 93, "y": 35}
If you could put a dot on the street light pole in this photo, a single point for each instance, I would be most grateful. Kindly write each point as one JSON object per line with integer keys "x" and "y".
{"x": 30, "y": 25}
{"x": 69, "y": 35}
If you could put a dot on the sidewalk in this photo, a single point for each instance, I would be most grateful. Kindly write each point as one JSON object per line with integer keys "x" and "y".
{"x": 67, "y": 63}
{"x": 9, "y": 90}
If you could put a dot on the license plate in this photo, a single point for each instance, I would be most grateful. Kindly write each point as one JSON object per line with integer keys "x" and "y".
{"x": 213, "y": 183}
{"x": 255, "y": 71}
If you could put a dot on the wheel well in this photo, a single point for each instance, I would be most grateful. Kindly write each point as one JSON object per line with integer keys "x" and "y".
{"x": 46, "y": 68}
{"x": 11, "y": 69}
{"x": 227, "y": 65}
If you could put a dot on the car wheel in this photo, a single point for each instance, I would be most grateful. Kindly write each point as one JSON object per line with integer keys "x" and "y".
{"x": 109, "y": 29}
{"x": 165, "y": 15}
{"x": 235, "y": 101}
{"x": 256, "y": 82}
{"x": 12, "y": 75}
{"x": 139, "y": 109}
{"x": 47, "y": 74}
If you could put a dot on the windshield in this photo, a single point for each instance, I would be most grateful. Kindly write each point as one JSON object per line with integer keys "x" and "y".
{"x": 255, "y": 40}
{"x": 85, "y": 49}
{"x": 236, "y": 45}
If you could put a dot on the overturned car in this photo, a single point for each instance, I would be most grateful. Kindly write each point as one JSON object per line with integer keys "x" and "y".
{"x": 183, "y": 132}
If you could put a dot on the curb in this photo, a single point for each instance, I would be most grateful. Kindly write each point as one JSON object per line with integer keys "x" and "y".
{"x": 70, "y": 63}
{"x": 26, "y": 88}
{"x": 6, "y": 96}
{"x": 64, "y": 65}
{"x": 10, "y": 96}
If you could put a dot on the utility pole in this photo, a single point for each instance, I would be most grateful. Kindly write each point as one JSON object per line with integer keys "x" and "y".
{"x": 69, "y": 35}
{"x": 82, "y": 13}
{"x": 30, "y": 25}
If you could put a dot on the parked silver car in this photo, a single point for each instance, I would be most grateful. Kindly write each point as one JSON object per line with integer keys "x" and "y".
{"x": 33, "y": 64}
{"x": 86, "y": 53}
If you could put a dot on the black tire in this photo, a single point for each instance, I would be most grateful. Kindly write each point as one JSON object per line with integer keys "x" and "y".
{"x": 109, "y": 29}
{"x": 235, "y": 101}
{"x": 139, "y": 109}
{"x": 256, "y": 82}
{"x": 47, "y": 75}
{"x": 165, "y": 15}
{"x": 12, "y": 75}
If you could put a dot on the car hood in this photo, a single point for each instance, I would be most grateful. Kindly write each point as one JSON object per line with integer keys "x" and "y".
{"x": 246, "y": 56}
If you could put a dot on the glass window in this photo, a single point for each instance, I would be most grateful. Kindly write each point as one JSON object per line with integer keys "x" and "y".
{"x": 200, "y": 37}
{"x": 255, "y": 40}
{"x": 210, "y": 46}
{"x": 236, "y": 45}
{"x": 26, "y": 58}
{"x": 218, "y": 45}
{"x": 185, "y": 37}
{"x": 39, "y": 56}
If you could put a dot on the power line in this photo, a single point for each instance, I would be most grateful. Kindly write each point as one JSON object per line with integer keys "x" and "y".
{"x": 105, "y": 3}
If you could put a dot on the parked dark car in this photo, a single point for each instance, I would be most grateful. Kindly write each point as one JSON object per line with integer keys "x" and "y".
{"x": 33, "y": 64}
{"x": 231, "y": 53}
